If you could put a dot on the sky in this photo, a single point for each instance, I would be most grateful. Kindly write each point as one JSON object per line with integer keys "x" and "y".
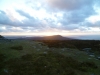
{"x": 49, "y": 17}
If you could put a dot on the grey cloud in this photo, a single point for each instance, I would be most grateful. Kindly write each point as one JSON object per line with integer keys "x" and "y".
{"x": 71, "y": 27}
{"x": 8, "y": 28}
{"x": 25, "y": 14}
{"x": 69, "y": 4}
{"x": 76, "y": 17}
{"x": 74, "y": 12}
{"x": 4, "y": 19}
{"x": 97, "y": 24}
{"x": 80, "y": 15}
{"x": 89, "y": 24}
{"x": 31, "y": 23}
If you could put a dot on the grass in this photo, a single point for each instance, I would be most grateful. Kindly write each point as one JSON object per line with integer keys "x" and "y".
{"x": 38, "y": 52}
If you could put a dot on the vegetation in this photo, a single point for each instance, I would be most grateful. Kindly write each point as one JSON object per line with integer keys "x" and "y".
{"x": 23, "y": 57}
{"x": 79, "y": 44}
{"x": 89, "y": 64}
{"x": 2, "y": 58}
{"x": 17, "y": 47}
{"x": 43, "y": 64}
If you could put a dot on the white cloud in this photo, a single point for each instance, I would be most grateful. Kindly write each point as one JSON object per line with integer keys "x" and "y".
{"x": 93, "y": 19}
{"x": 49, "y": 15}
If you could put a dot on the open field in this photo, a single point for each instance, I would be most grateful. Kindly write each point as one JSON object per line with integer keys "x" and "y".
{"x": 25, "y": 57}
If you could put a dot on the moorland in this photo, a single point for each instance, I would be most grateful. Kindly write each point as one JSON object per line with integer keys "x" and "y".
{"x": 49, "y": 57}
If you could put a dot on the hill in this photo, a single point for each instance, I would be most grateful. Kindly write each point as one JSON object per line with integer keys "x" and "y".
{"x": 53, "y": 37}
{"x": 56, "y": 37}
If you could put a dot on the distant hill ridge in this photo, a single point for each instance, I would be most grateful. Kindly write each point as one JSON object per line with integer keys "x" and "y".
{"x": 53, "y": 37}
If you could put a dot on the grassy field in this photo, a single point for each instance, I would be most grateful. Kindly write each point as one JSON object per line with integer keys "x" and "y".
{"x": 38, "y": 52}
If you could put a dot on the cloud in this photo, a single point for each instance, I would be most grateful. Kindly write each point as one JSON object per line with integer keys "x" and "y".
{"x": 30, "y": 20}
{"x": 74, "y": 12}
{"x": 93, "y": 25}
{"x": 78, "y": 16}
{"x": 4, "y": 19}
{"x": 22, "y": 13}
{"x": 29, "y": 24}
{"x": 69, "y": 4}
{"x": 39, "y": 16}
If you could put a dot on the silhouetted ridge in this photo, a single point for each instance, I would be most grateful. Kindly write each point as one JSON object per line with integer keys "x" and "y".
{"x": 53, "y": 37}
{"x": 1, "y": 37}
{"x": 56, "y": 36}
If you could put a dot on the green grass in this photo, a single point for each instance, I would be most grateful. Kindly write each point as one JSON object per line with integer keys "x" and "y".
{"x": 36, "y": 49}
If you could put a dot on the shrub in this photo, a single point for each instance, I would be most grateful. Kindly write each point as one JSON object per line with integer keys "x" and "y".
{"x": 17, "y": 47}
{"x": 86, "y": 65}
{"x": 89, "y": 64}
{"x": 27, "y": 57}
{"x": 2, "y": 59}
